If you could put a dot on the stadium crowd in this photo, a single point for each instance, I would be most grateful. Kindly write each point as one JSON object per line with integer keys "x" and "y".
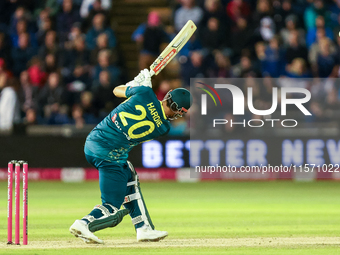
{"x": 59, "y": 59}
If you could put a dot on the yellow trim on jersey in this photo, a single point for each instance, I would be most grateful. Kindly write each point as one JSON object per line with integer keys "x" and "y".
{"x": 126, "y": 100}
{"x": 163, "y": 110}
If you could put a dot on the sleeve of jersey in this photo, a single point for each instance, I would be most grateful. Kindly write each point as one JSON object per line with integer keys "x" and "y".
{"x": 130, "y": 91}
{"x": 167, "y": 132}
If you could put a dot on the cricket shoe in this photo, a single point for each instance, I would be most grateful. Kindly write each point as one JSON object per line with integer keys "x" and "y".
{"x": 147, "y": 234}
{"x": 80, "y": 229}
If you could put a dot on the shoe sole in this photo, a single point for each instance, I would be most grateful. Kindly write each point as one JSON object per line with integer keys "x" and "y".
{"x": 153, "y": 240}
{"x": 78, "y": 233}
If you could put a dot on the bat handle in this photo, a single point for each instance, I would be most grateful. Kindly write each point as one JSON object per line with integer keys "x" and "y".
{"x": 152, "y": 73}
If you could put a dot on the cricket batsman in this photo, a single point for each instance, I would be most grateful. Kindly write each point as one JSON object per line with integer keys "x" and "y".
{"x": 141, "y": 117}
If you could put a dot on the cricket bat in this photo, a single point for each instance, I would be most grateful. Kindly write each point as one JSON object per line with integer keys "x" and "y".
{"x": 173, "y": 48}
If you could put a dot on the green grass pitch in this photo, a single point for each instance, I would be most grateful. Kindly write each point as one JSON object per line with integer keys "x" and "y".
{"x": 277, "y": 217}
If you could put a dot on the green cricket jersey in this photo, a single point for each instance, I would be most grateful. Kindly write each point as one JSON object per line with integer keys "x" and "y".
{"x": 138, "y": 119}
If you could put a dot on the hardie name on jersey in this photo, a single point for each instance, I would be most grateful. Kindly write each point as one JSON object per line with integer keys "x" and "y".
{"x": 154, "y": 114}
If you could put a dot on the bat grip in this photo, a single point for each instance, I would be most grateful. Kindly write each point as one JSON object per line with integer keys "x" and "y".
{"x": 152, "y": 73}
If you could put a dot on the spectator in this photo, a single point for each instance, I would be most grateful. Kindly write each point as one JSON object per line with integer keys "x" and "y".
{"x": 50, "y": 45}
{"x": 214, "y": 8}
{"x": 188, "y": 11}
{"x": 57, "y": 115}
{"x": 5, "y": 52}
{"x": 77, "y": 56}
{"x": 260, "y": 48}
{"x": 152, "y": 39}
{"x": 77, "y": 116}
{"x": 51, "y": 7}
{"x": 291, "y": 25}
{"x": 193, "y": 67}
{"x": 78, "y": 82}
{"x": 50, "y": 96}
{"x": 75, "y": 32}
{"x": 241, "y": 37}
{"x": 89, "y": 112}
{"x": 22, "y": 54}
{"x": 327, "y": 62}
{"x": 66, "y": 19}
{"x": 315, "y": 49}
{"x": 79, "y": 119}
{"x": 163, "y": 88}
{"x": 334, "y": 9}
{"x": 50, "y": 63}
{"x": 9, "y": 105}
{"x": 281, "y": 12}
{"x": 263, "y": 9}
{"x": 273, "y": 63}
{"x": 193, "y": 44}
{"x": 97, "y": 29}
{"x": 4, "y": 73}
{"x": 19, "y": 14}
{"x": 222, "y": 67}
{"x": 28, "y": 94}
{"x": 137, "y": 35}
{"x": 313, "y": 11}
{"x": 266, "y": 31}
{"x": 36, "y": 74}
{"x": 102, "y": 44}
{"x": 103, "y": 98}
{"x": 212, "y": 36}
{"x": 31, "y": 117}
{"x": 96, "y": 9}
{"x": 88, "y": 4}
{"x": 105, "y": 65}
{"x": 45, "y": 26}
{"x": 237, "y": 9}
{"x": 295, "y": 48}
{"x": 245, "y": 68}
{"x": 311, "y": 33}
{"x": 42, "y": 17}
{"x": 298, "y": 69}
{"x": 21, "y": 28}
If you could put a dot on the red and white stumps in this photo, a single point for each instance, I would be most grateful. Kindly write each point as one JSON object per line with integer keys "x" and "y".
{"x": 25, "y": 203}
{"x": 9, "y": 203}
{"x": 17, "y": 204}
{"x": 17, "y": 171}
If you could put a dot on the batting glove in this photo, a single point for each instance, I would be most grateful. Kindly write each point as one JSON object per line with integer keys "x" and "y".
{"x": 142, "y": 79}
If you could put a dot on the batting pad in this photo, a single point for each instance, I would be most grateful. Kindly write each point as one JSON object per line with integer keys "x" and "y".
{"x": 108, "y": 221}
{"x": 136, "y": 200}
